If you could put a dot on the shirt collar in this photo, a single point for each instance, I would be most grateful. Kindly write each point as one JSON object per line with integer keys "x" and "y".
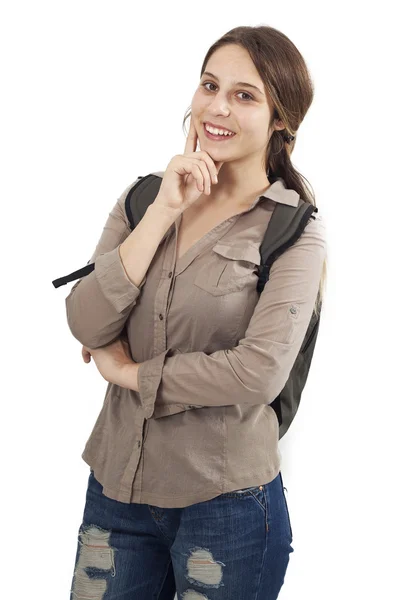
{"x": 278, "y": 192}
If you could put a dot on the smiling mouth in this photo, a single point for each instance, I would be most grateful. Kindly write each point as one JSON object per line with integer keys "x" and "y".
{"x": 217, "y": 137}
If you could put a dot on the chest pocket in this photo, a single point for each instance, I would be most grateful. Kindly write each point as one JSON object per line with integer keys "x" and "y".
{"x": 231, "y": 268}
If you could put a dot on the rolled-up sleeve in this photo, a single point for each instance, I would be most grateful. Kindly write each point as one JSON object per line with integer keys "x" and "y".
{"x": 99, "y": 304}
{"x": 257, "y": 369}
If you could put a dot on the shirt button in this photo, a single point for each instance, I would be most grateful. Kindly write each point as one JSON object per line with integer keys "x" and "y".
{"x": 170, "y": 274}
{"x": 160, "y": 317}
{"x": 139, "y": 443}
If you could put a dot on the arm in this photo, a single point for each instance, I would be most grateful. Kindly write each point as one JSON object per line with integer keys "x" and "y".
{"x": 256, "y": 370}
{"x": 99, "y": 304}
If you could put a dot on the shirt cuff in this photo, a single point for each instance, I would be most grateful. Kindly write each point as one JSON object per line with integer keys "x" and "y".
{"x": 149, "y": 376}
{"x": 115, "y": 284}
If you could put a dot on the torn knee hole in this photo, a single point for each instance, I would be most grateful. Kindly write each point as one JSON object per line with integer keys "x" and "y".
{"x": 94, "y": 564}
{"x": 203, "y": 569}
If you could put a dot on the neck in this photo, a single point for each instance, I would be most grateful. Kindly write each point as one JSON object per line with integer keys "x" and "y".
{"x": 223, "y": 198}
{"x": 239, "y": 185}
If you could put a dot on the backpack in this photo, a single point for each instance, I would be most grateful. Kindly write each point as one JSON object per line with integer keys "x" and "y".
{"x": 285, "y": 227}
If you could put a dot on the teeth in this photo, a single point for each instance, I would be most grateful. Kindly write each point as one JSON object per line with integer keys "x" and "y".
{"x": 217, "y": 131}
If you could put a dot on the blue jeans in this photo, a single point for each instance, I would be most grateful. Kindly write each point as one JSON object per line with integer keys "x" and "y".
{"x": 235, "y": 546}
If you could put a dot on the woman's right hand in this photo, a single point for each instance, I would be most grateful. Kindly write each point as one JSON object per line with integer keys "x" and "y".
{"x": 187, "y": 176}
{"x": 86, "y": 355}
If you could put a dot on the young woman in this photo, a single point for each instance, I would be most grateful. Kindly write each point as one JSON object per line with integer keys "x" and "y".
{"x": 185, "y": 493}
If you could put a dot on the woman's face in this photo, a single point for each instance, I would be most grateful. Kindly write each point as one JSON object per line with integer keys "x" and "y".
{"x": 223, "y": 101}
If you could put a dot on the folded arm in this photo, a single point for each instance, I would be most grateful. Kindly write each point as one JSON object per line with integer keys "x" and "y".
{"x": 257, "y": 369}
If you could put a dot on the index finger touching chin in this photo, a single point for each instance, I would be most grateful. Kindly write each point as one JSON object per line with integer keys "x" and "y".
{"x": 191, "y": 141}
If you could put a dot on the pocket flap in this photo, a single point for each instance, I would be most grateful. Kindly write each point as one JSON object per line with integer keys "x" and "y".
{"x": 246, "y": 251}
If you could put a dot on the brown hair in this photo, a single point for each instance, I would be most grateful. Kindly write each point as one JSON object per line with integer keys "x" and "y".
{"x": 288, "y": 83}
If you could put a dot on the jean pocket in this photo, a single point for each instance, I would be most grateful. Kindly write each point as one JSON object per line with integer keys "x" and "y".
{"x": 245, "y": 490}
{"x": 256, "y": 493}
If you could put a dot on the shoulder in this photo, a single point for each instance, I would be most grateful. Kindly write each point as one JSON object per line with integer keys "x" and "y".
{"x": 119, "y": 208}
{"x": 310, "y": 248}
{"x": 315, "y": 229}
{"x": 122, "y": 197}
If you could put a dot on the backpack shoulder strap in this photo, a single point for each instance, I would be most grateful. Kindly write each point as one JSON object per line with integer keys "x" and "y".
{"x": 284, "y": 229}
{"x": 286, "y": 225}
{"x": 142, "y": 193}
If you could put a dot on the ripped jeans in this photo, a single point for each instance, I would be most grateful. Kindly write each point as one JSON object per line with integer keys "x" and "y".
{"x": 235, "y": 546}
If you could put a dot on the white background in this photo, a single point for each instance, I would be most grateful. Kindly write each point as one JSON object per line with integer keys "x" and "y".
{"x": 93, "y": 95}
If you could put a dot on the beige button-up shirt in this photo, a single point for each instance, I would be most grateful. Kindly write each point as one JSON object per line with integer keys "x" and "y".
{"x": 214, "y": 355}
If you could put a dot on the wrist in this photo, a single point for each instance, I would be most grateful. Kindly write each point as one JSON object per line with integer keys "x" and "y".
{"x": 130, "y": 376}
{"x": 160, "y": 211}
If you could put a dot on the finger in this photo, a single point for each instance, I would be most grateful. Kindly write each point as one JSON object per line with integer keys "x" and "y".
{"x": 191, "y": 141}
{"x": 189, "y": 167}
{"x": 193, "y": 169}
{"x": 85, "y": 354}
{"x": 126, "y": 345}
{"x": 127, "y": 348}
{"x": 205, "y": 169}
{"x": 212, "y": 167}
{"x": 197, "y": 174}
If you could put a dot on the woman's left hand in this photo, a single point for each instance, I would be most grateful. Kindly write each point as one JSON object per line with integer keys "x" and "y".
{"x": 115, "y": 363}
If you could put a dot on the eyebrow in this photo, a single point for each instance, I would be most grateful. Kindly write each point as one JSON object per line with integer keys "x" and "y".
{"x": 242, "y": 83}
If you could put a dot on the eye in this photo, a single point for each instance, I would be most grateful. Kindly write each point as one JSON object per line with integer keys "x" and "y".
{"x": 248, "y": 95}
{"x": 210, "y": 83}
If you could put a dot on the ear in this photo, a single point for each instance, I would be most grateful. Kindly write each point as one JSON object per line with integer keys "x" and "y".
{"x": 279, "y": 125}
